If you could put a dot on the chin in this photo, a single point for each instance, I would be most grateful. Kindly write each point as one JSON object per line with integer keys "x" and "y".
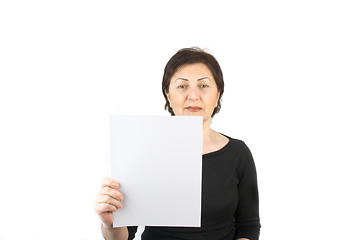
{"x": 188, "y": 113}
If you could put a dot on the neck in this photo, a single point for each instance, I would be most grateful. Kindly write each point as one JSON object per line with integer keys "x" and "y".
{"x": 207, "y": 131}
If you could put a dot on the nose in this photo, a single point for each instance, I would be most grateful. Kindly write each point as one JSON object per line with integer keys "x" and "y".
{"x": 193, "y": 94}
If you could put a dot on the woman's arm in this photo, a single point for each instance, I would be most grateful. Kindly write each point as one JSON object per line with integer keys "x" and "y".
{"x": 110, "y": 233}
{"x": 108, "y": 201}
{"x": 247, "y": 221}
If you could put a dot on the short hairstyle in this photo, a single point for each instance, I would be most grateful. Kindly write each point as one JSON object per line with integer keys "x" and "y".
{"x": 190, "y": 56}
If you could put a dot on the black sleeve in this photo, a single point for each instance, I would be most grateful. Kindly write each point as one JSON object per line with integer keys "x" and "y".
{"x": 247, "y": 221}
{"x": 132, "y": 231}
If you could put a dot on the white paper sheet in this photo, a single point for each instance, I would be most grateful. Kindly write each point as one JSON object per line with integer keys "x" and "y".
{"x": 158, "y": 162}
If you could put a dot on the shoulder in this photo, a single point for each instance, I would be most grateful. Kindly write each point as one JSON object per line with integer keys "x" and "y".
{"x": 239, "y": 148}
{"x": 243, "y": 157}
{"x": 236, "y": 143}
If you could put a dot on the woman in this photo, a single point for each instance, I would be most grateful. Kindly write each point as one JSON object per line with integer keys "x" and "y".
{"x": 192, "y": 86}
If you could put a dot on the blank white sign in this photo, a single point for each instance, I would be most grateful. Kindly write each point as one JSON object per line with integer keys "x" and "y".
{"x": 158, "y": 162}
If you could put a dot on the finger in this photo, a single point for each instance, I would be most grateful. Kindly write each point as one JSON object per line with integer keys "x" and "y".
{"x": 102, "y": 208}
{"x": 109, "y": 182}
{"x": 109, "y": 200}
{"x": 114, "y": 193}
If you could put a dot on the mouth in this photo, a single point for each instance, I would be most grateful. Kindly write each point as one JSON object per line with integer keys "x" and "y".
{"x": 194, "y": 109}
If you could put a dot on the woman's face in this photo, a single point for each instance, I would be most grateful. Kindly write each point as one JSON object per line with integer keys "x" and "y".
{"x": 193, "y": 91}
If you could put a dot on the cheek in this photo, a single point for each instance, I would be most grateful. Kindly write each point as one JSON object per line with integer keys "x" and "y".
{"x": 213, "y": 100}
{"x": 177, "y": 102}
{"x": 176, "y": 95}
{"x": 175, "y": 99}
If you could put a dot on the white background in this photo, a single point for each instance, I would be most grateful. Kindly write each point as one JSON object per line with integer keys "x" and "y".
{"x": 291, "y": 72}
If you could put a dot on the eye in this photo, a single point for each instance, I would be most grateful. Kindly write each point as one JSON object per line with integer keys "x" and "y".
{"x": 204, "y": 86}
{"x": 181, "y": 86}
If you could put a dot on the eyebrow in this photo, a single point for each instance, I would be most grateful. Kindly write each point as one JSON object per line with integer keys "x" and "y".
{"x": 184, "y": 79}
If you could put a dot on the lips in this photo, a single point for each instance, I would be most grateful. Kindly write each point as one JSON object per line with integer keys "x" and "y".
{"x": 193, "y": 109}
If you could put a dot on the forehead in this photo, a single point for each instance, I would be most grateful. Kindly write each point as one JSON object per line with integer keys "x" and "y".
{"x": 193, "y": 70}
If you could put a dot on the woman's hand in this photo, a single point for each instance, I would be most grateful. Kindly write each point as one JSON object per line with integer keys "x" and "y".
{"x": 108, "y": 201}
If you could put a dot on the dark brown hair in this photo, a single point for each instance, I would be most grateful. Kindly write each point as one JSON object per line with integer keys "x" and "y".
{"x": 189, "y": 56}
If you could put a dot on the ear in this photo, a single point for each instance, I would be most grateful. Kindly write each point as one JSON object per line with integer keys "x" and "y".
{"x": 217, "y": 100}
{"x": 168, "y": 98}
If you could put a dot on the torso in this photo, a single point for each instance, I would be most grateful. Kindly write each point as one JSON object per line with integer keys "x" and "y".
{"x": 219, "y": 201}
{"x": 224, "y": 189}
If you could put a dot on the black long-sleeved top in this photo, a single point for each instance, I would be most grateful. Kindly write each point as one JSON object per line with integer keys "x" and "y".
{"x": 230, "y": 202}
